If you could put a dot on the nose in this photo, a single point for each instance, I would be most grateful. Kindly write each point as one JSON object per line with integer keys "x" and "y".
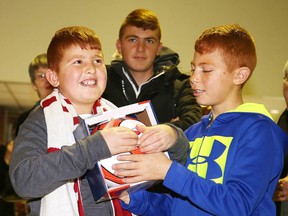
{"x": 91, "y": 68}
{"x": 193, "y": 79}
{"x": 140, "y": 46}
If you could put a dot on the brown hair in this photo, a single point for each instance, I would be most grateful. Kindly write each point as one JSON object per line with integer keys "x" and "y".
{"x": 141, "y": 18}
{"x": 36, "y": 63}
{"x": 286, "y": 70}
{"x": 66, "y": 37}
{"x": 235, "y": 43}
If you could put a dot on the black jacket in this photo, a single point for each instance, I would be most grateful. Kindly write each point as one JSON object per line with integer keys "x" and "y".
{"x": 169, "y": 90}
{"x": 283, "y": 123}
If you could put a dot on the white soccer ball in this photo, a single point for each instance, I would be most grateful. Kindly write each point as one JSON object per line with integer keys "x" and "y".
{"x": 111, "y": 179}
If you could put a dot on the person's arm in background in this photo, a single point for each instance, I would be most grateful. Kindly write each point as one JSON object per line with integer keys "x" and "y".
{"x": 8, "y": 152}
{"x": 281, "y": 192}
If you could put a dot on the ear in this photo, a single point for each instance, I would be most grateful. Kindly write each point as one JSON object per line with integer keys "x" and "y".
{"x": 52, "y": 78}
{"x": 34, "y": 87}
{"x": 241, "y": 75}
{"x": 159, "y": 48}
{"x": 118, "y": 46}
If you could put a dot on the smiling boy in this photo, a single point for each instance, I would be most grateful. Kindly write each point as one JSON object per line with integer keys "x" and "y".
{"x": 51, "y": 181}
{"x": 52, "y": 151}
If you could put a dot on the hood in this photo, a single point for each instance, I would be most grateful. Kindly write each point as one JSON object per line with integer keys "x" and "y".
{"x": 166, "y": 62}
{"x": 166, "y": 59}
{"x": 231, "y": 114}
{"x": 253, "y": 108}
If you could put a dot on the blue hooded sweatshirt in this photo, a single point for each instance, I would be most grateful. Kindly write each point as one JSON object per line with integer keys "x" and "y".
{"x": 232, "y": 168}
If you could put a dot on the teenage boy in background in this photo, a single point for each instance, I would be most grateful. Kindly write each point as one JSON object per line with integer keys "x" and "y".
{"x": 236, "y": 152}
{"x": 142, "y": 74}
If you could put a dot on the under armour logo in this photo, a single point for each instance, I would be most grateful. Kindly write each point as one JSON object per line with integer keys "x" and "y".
{"x": 208, "y": 157}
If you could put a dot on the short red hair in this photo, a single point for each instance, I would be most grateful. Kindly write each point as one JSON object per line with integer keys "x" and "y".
{"x": 235, "y": 43}
{"x": 66, "y": 37}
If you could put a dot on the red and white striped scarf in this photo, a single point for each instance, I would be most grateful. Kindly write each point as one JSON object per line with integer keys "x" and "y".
{"x": 61, "y": 120}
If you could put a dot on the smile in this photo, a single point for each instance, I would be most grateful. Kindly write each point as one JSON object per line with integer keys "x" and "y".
{"x": 198, "y": 91}
{"x": 88, "y": 82}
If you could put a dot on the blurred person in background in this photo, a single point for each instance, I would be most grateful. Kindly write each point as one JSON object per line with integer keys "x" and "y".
{"x": 37, "y": 70}
{"x": 281, "y": 192}
{"x": 6, "y": 208}
{"x": 10, "y": 203}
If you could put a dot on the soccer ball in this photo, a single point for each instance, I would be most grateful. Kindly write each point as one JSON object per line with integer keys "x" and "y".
{"x": 106, "y": 164}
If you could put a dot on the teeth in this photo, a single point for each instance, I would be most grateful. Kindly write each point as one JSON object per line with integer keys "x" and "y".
{"x": 89, "y": 82}
{"x": 198, "y": 91}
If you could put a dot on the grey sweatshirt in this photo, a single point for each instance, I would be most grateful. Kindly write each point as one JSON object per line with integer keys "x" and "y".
{"x": 34, "y": 173}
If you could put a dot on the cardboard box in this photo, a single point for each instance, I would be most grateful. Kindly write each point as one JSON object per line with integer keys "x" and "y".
{"x": 101, "y": 191}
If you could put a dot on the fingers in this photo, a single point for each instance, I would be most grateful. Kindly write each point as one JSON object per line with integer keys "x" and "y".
{"x": 131, "y": 169}
{"x": 150, "y": 141}
{"x": 146, "y": 134}
{"x": 153, "y": 143}
{"x": 128, "y": 168}
{"x": 140, "y": 128}
{"x": 175, "y": 119}
{"x": 128, "y": 147}
{"x": 129, "y": 157}
{"x": 109, "y": 124}
{"x": 120, "y": 139}
{"x": 10, "y": 146}
{"x": 124, "y": 196}
{"x": 142, "y": 167}
{"x": 281, "y": 192}
{"x": 278, "y": 196}
{"x": 284, "y": 184}
{"x": 157, "y": 138}
{"x": 133, "y": 179}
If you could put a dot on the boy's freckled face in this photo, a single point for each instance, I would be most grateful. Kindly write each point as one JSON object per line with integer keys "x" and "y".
{"x": 211, "y": 81}
{"x": 82, "y": 75}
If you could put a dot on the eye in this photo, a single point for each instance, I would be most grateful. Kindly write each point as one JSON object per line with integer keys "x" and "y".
{"x": 40, "y": 76}
{"x": 193, "y": 68}
{"x": 78, "y": 61}
{"x": 132, "y": 39}
{"x": 207, "y": 69}
{"x": 98, "y": 61}
{"x": 150, "y": 41}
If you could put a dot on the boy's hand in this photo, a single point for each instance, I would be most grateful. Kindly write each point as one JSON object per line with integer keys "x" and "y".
{"x": 124, "y": 196}
{"x": 8, "y": 152}
{"x": 156, "y": 138}
{"x": 142, "y": 167}
{"x": 119, "y": 139}
{"x": 281, "y": 192}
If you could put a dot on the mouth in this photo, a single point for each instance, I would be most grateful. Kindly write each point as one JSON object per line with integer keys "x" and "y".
{"x": 197, "y": 92}
{"x": 139, "y": 57}
{"x": 90, "y": 82}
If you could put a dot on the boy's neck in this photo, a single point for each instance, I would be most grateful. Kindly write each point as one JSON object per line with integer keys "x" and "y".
{"x": 83, "y": 109}
{"x": 142, "y": 77}
{"x": 231, "y": 105}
